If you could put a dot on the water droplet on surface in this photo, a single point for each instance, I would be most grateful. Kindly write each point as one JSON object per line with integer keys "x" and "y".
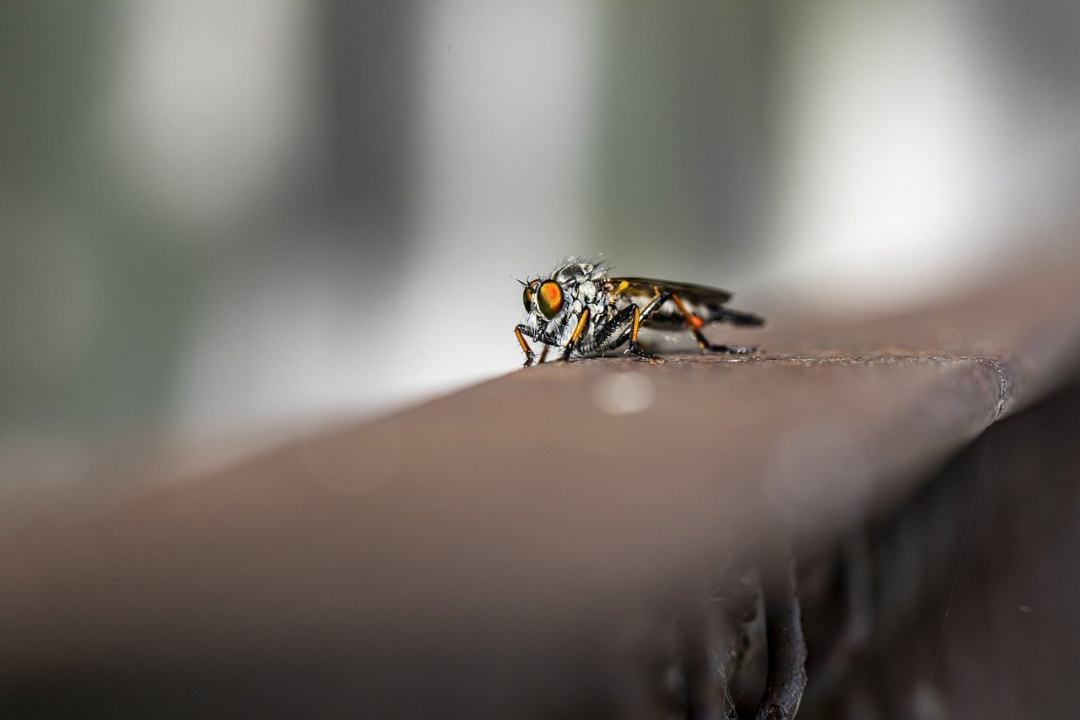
{"x": 624, "y": 393}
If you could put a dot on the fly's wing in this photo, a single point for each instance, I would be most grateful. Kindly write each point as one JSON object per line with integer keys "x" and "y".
{"x": 696, "y": 294}
{"x": 705, "y": 302}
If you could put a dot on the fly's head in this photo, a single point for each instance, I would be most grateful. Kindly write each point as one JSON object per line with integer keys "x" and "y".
{"x": 555, "y": 302}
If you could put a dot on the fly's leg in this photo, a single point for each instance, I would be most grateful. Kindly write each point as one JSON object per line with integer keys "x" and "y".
{"x": 639, "y": 316}
{"x": 543, "y": 354}
{"x": 625, "y": 327}
{"x": 609, "y": 335}
{"x": 520, "y": 332}
{"x": 582, "y": 323}
{"x": 733, "y": 349}
{"x": 695, "y": 324}
{"x": 635, "y": 326}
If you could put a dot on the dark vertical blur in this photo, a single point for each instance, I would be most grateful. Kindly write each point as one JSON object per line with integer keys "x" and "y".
{"x": 367, "y": 69}
{"x": 686, "y": 138}
{"x": 95, "y": 299}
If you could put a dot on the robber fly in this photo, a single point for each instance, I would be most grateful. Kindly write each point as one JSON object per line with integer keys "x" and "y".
{"x": 585, "y": 313}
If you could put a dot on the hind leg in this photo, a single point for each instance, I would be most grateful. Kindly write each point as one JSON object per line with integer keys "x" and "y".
{"x": 730, "y": 349}
{"x": 694, "y": 323}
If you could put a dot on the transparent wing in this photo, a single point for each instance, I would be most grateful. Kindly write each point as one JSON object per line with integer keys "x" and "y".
{"x": 695, "y": 294}
{"x": 705, "y": 303}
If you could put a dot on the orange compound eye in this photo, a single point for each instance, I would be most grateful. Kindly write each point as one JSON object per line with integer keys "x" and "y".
{"x": 550, "y": 298}
{"x": 526, "y": 297}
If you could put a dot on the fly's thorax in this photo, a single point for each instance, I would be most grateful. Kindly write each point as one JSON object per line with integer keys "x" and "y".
{"x": 586, "y": 283}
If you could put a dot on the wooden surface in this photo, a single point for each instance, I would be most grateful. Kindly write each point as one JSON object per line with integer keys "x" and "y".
{"x": 490, "y": 552}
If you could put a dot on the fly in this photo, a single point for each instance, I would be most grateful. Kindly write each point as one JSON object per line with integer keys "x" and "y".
{"x": 585, "y": 313}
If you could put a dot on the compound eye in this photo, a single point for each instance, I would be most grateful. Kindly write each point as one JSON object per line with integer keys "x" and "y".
{"x": 527, "y": 297}
{"x": 550, "y": 298}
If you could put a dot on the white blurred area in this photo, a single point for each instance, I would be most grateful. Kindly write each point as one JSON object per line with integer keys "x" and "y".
{"x": 891, "y": 191}
{"x": 296, "y": 212}
{"x": 504, "y": 100}
{"x": 507, "y": 111}
{"x": 209, "y": 105}
{"x": 914, "y": 160}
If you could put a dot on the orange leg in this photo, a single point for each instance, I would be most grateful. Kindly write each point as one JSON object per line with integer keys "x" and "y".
{"x": 582, "y": 323}
{"x": 635, "y": 327}
{"x": 524, "y": 346}
{"x": 695, "y": 324}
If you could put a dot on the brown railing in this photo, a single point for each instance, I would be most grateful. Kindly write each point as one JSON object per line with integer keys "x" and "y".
{"x": 542, "y": 544}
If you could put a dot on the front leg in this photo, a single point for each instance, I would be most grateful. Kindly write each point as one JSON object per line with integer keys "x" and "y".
{"x": 579, "y": 329}
{"x": 520, "y": 332}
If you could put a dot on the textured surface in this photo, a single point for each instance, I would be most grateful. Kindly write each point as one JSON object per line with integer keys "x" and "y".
{"x": 486, "y": 551}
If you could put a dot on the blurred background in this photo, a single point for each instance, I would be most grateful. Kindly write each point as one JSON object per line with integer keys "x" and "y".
{"x": 228, "y": 221}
